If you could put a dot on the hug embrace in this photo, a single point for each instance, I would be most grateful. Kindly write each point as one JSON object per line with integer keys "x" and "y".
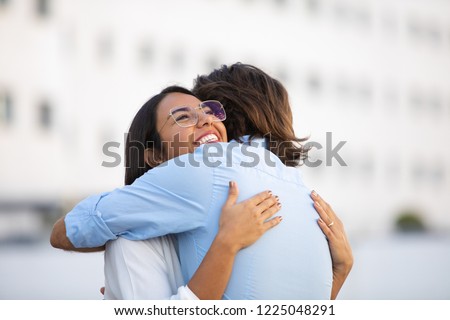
{"x": 246, "y": 227}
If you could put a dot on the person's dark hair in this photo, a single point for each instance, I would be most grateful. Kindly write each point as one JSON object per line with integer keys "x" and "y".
{"x": 256, "y": 105}
{"x": 143, "y": 135}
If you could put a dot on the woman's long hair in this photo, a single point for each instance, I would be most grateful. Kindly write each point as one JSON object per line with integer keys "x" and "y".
{"x": 143, "y": 135}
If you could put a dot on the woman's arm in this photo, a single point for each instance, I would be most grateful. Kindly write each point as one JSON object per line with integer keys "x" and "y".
{"x": 241, "y": 224}
{"x": 341, "y": 252}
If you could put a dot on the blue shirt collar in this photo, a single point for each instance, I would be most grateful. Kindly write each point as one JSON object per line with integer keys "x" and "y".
{"x": 255, "y": 142}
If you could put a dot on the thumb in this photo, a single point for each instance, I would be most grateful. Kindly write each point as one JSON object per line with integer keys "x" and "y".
{"x": 233, "y": 193}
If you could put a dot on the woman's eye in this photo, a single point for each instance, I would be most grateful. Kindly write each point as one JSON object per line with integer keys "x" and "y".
{"x": 182, "y": 117}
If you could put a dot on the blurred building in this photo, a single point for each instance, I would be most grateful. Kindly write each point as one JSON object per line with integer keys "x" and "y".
{"x": 373, "y": 73}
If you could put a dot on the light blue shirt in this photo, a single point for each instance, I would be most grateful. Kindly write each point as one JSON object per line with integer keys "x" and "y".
{"x": 185, "y": 196}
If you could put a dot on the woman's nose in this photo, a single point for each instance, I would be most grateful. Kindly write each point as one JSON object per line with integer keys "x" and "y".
{"x": 204, "y": 119}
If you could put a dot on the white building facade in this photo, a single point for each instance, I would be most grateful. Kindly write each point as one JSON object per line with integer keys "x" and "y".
{"x": 375, "y": 74}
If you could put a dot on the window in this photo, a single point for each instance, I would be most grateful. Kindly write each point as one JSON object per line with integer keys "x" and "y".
{"x": 391, "y": 97}
{"x": 281, "y": 2}
{"x": 415, "y": 28}
{"x": 416, "y": 100}
{"x": 312, "y": 6}
{"x": 45, "y": 116}
{"x": 437, "y": 174}
{"x": 6, "y": 112}
{"x": 342, "y": 12}
{"x": 365, "y": 91}
{"x": 43, "y": 8}
{"x": 343, "y": 87}
{"x": 177, "y": 58}
{"x": 435, "y": 103}
{"x": 434, "y": 34}
{"x": 314, "y": 83}
{"x": 418, "y": 172}
{"x": 367, "y": 167}
{"x": 393, "y": 170}
{"x": 282, "y": 74}
{"x": 363, "y": 16}
{"x": 212, "y": 62}
{"x": 389, "y": 23}
{"x": 145, "y": 53}
{"x": 105, "y": 47}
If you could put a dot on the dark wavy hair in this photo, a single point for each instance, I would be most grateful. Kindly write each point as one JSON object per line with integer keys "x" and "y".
{"x": 143, "y": 135}
{"x": 256, "y": 105}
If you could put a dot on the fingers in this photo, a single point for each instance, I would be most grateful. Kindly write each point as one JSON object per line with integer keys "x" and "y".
{"x": 233, "y": 193}
{"x": 319, "y": 202}
{"x": 315, "y": 196}
{"x": 260, "y": 197}
{"x": 266, "y": 204}
{"x": 323, "y": 214}
{"x": 272, "y": 223}
{"x": 271, "y": 206}
{"x": 325, "y": 229}
{"x": 270, "y": 211}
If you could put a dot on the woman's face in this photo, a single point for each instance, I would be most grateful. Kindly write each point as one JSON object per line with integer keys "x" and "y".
{"x": 178, "y": 140}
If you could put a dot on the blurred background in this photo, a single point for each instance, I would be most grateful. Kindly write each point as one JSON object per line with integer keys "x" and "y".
{"x": 373, "y": 73}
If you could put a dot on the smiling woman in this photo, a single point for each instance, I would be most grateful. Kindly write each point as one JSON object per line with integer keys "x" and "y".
{"x": 168, "y": 125}
{"x": 189, "y": 124}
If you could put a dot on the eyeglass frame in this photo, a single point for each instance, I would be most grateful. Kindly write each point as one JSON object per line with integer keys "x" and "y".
{"x": 215, "y": 119}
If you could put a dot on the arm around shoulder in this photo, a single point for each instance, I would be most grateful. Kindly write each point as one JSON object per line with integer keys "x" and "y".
{"x": 59, "y": 239}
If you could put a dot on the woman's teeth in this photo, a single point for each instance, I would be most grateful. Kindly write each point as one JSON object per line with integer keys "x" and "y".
{"x": 208, "y": 139}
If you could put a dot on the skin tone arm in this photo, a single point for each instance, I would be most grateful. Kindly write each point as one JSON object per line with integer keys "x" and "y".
{"x": 240, "y": 225}
{"x": 341, "y": 252}
{"x": 59, "y": 239}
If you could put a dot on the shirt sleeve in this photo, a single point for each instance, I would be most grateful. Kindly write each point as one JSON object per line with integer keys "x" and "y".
{"x": 171, "y": 198}
{"x": 184, "y": 293}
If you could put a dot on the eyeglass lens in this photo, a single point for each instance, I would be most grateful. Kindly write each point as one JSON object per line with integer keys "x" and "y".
{"x": 187, "y": 116}
{"x": 214, "y": 108}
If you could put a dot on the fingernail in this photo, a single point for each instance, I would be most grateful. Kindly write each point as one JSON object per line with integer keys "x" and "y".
{"x": 314, "y": 193}
{"x": 270, "y": 192}
{"x": 280, "y": 218}
{"x": 279, "y": 205}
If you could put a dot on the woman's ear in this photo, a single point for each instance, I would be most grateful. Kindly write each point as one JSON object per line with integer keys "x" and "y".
{"x": 153, "y": 157}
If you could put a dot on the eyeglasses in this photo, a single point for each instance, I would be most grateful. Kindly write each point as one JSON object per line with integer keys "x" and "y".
{"x": 187, "y": 116}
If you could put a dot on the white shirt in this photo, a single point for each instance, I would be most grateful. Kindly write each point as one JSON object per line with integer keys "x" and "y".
{"x": 147, "y": 270}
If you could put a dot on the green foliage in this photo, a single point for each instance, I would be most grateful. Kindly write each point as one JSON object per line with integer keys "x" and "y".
{"x": 409, "y": 221}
